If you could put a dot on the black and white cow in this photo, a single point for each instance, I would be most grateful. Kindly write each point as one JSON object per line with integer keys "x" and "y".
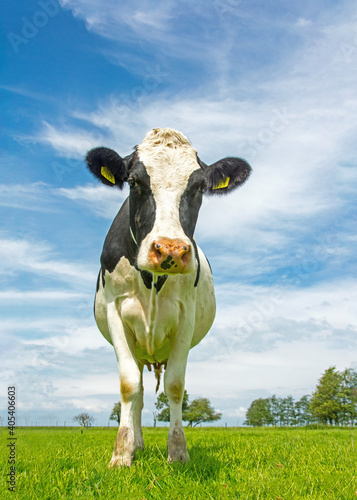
{"x": 155, "y": 297}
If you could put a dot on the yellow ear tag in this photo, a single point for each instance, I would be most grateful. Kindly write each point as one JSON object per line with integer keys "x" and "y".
{"x": 223, "y": 184}
{"x": 106, "y": 173}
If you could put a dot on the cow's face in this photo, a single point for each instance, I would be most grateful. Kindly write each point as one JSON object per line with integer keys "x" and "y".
{"x": 167, "y": 181}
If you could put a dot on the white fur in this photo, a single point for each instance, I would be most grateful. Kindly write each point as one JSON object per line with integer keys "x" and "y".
{"x": 169, "y": 160}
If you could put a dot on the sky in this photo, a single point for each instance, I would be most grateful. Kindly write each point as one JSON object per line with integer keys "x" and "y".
{"x": 273, "y": 82}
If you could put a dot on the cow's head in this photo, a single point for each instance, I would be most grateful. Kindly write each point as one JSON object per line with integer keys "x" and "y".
{"x": 167, "y": 181}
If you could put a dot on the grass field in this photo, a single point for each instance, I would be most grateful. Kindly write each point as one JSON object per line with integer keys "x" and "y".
{"x": 231, "y": 463}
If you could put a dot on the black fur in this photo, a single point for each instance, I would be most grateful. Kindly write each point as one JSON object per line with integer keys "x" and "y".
{"x": 141, "y": 202}
{"x": 198, "y": 263}
{"x": 103, "y": 157}
{"x": 190, "y": 205}
{"x": 237, "y": 169}
{"x": 148, "y": 279}
{"x": 98, "y": 282}
{"x": 191, "y": 201}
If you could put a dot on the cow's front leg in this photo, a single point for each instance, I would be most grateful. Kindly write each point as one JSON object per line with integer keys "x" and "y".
{"x": 174, "y": 381}
{"x": 129, "y": 436}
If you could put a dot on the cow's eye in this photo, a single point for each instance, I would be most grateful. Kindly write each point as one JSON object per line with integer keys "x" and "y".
{"x": 201, "y": 188}
{"x": 132, "y": 183}
{"x": 196, "y": 188}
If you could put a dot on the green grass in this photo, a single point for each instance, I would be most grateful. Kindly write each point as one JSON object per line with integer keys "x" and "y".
{"x": 286, "y": 464}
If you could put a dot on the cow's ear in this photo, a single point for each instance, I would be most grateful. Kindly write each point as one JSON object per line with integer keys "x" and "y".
{"x": 110, "y": 168}
{"x": 226, "y": 175}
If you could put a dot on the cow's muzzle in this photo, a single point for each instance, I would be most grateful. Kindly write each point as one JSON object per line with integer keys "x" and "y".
{"x": 170, "y": 256}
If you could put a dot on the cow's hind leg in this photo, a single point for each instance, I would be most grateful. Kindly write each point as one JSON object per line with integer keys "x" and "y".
{"x": 131, "y": 389}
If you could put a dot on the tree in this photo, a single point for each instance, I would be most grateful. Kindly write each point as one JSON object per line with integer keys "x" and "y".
{"x": 200, "y": 410}
{"x": 302, "y": 411}
{"x": 275, "y": 410}
{"x": 116, "y": 412}
{"x": 288, "y": 411}
{"x": 84, "y": 419}
{"x": 258, "y": 413}
{"x": 162, "y": 405}
{"x": 348, "y": 396}
{"x": 326, "y": 400}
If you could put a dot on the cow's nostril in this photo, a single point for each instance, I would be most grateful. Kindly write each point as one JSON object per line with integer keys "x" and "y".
{"x": 186, "y": 254}
{"x": 158, "y": 255}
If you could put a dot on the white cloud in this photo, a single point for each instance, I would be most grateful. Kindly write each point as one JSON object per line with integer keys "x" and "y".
{"x": 70, "y": 142}
{"x": 301, "y": 22}
{"x": 99, "y": 199}
{"x": 39, "y": 325}
{"x": 332, "y": 301}
{"x": 38, "y": 257}
{"x": 157, "y": 26}
{"x": 27, "y": 92}
{"x": 235, "y": 412}
{"x": 31, "y": 197}
{"x": 289, "y": 368}
{"x": 103, "y": 201}
{"x": 73, "y": 341}
{"x": 156, "y": 19}
{"x": 40, "y": 295}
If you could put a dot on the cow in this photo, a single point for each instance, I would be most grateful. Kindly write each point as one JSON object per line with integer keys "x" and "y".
{"x": 155, "y": 298}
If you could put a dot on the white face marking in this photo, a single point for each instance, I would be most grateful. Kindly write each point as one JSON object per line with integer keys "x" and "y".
{"x": 169, "y": 160}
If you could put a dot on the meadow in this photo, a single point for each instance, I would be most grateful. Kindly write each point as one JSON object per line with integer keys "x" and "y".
{"x": 226, "y": 463}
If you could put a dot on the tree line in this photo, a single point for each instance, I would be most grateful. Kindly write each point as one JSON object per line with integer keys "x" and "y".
{"x": 198, "y": 411}
{"x": 333, "y": 402}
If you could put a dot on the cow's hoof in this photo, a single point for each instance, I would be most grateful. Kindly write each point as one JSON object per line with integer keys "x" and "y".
{"x": 178, "y": 457}
{"x": 176, "y": 446}
{"x": 124, "y": 448}
{"x": 120, "y": 462}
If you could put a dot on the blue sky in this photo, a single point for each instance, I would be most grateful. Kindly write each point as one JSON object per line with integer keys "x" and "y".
{"x": 274, "y": 82}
